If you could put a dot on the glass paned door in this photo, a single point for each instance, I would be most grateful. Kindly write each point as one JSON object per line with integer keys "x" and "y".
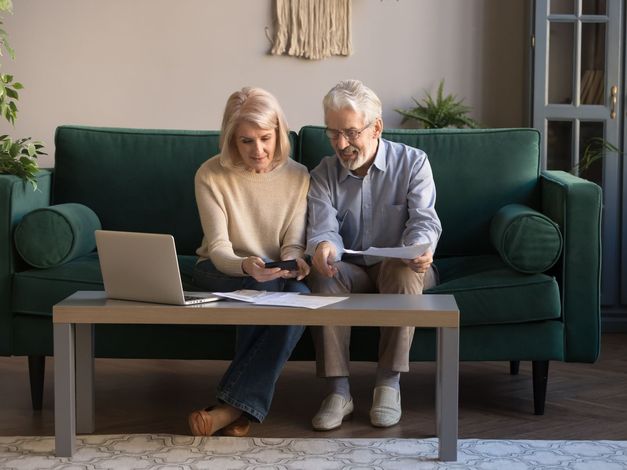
{"x": 577, "y": 63}
{"x": 592, "y": 63}
{"x": 563, "y": 7}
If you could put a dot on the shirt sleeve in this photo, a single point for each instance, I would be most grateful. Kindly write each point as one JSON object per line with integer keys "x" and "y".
{"x": 322, "y": 218}
{"x": 423, "y": 225}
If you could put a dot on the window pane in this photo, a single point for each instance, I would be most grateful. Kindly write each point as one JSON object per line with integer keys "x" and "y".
{"x": 591, "y": 151}
{"x": 592, "y": 63}
{"x": 561, "y": 47}
{"x": 559, "y": 145}
{"x": 593, "y": 7}
{"x": 560, "y": 7}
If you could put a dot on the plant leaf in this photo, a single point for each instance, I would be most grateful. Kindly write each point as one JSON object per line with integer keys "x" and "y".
{"x": 441, "y": 111}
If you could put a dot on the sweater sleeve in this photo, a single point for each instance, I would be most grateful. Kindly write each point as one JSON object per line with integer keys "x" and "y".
{"x": 213, "y": 217}
{"x": 293, "y": 245}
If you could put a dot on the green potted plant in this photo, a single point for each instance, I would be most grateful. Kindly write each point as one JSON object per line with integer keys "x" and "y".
{"x": 595, "y": 149}
{"x": 443, "y": 111}
{"x": 17, "y": 156}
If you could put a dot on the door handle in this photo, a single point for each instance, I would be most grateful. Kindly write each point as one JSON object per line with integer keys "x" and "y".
{"x": 613, "y": 101}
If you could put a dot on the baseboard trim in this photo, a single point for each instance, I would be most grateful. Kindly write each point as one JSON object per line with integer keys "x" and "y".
{"x": 613, "y": 320}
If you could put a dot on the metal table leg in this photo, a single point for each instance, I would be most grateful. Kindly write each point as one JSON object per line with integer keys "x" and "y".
{"x": 447, "y": 385}
{"x": 64, "y": 391}
{"x": 85, "y": 421}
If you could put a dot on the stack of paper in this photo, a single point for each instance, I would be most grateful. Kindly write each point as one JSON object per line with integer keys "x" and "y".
{"x": 404, "y": 252}
{"x": 283, "y": 299}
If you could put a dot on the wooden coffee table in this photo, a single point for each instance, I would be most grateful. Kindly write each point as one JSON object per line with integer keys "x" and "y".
{"x": 74, "y": 319}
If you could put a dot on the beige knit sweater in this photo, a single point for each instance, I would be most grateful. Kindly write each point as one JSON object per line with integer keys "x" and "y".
{"x": 251, "y": 214}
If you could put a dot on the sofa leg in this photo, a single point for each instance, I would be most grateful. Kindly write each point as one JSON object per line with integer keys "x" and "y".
{"x": 540, "y": 373}
{"x": 514, "y": 366}
{"x": 36, "y": 372}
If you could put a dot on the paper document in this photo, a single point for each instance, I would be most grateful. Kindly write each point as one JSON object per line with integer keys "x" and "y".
{"x": 282, "y": 299}
{"x": 405, "y": 252}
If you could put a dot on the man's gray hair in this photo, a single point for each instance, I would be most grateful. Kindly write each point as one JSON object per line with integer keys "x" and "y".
{"x": 354, "y": 95}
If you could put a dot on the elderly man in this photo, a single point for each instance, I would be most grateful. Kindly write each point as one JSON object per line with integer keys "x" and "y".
{"x": 373, "y": 192}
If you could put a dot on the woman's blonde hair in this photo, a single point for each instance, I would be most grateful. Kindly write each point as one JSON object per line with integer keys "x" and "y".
{"x": 259, "y": 107}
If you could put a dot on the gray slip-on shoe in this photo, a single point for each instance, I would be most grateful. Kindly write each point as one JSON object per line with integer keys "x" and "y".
{"x": 333, "y": 410}
{"x": 386, "y": 407}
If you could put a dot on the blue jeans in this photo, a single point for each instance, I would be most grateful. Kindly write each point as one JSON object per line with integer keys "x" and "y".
{"x": 260, "y": 351}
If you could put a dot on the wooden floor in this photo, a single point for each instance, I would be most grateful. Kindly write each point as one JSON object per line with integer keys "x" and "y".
{"x": 585, "y": 401}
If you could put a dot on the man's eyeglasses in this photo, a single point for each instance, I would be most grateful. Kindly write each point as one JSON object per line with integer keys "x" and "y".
{"x": 349, "y": 134}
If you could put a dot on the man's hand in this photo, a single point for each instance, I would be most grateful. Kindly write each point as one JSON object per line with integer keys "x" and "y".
{"x": 324, "y": 259}
{"x": 420, "y": 264}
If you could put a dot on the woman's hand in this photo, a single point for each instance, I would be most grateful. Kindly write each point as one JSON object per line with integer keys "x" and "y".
{"x": 303, "y": 270}
{"x": 255, "y": 268}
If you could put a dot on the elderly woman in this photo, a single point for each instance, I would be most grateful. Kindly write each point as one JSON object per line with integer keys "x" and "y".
{"x": 252, "y": 200}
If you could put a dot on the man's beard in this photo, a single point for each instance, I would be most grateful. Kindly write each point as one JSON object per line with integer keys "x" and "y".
{"x": 354, "y": 163}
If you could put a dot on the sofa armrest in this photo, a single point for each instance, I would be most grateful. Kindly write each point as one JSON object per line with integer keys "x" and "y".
{"x": 575, "y": 205}
{"x": 17, "y": 199}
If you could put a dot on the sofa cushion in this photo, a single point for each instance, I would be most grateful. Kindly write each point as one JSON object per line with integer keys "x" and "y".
{"x": 136, "y": 180}
{"x": 54, "y": 235}
{"x": 527, "y": 240}
{"x": 54, "y": 284}
{"x": 476, "y": 172}
{"x": 488, "y": 292}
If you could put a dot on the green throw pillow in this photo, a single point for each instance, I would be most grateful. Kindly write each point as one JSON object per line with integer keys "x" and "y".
{"x": 527, "y": 240}
{"x": 57, "y": 234}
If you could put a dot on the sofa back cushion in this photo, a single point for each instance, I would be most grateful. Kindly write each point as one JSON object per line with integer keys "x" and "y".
{"x": 135, "y": 179}
{"x": 476, "y": 172}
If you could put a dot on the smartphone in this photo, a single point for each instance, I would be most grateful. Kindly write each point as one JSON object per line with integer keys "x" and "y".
{"x": 290, "y": 265}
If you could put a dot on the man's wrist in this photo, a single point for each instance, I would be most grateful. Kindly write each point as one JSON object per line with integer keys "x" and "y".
{"x": 319, "y": 245}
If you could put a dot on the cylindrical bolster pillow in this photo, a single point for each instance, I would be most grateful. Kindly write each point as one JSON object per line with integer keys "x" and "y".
{"x": 527, "y": 240}
{"x": 57, "y": 234}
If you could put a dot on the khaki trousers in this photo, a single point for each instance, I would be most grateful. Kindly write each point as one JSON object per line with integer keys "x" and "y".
{"x": 391, "y": 276}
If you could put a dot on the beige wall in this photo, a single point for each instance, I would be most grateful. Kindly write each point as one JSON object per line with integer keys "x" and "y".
{"x": 172, "y": 64}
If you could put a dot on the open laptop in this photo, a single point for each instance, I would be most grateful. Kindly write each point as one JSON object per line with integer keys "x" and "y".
{"x": 143, "y": 267}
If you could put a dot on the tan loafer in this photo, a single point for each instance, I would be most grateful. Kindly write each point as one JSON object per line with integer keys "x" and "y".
{"x": 386, "y": 407}
{"x": 333, "y": 410}
{"x": 200, "y": 422}
{"x": 238, "y": 428}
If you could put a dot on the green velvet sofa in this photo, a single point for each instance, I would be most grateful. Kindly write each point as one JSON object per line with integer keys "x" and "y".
{"x": 520, "y": 247}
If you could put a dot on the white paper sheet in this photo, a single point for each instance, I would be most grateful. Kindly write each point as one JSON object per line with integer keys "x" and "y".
{"x": 404, "y": 252}
{"x": 281, "y": 299}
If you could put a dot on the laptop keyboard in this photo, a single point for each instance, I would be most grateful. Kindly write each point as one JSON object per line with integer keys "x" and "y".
{"x": 198, "y": 299}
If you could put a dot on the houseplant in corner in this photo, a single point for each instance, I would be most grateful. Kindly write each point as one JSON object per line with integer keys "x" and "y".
{"x": 595, "y": 149}
{"x": 17, "y": 157}
{"x": 443, "y": 111}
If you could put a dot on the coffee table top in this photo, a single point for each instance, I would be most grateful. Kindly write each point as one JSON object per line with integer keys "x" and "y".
{"x": 426, "y": 310}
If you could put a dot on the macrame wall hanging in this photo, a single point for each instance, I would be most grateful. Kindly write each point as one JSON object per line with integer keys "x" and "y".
{"x": 312, "y": 29}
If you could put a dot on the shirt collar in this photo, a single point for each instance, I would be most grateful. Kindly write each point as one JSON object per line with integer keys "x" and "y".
{"x": 380, "y": 162}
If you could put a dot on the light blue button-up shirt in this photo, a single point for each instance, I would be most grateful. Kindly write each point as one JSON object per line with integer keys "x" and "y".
{"x": 393, "y": 205}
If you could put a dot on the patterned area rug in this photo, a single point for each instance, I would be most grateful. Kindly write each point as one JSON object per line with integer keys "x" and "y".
{"x": 167, "y": 452}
